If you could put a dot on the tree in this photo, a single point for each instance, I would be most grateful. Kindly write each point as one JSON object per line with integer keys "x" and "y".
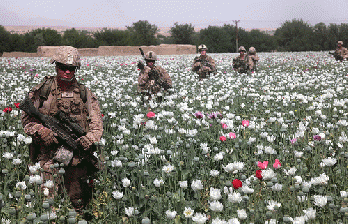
{"x": 4, "y": 40}
{"x": 321, "y": 37}
{"x": 182, "y": 34}
{"x": 164, "y": 40}
{"x": 47, "y": 37}
{"x": 295, "y": 35}
{"x": 216, "y": 39}
{"x": 261, "y": 41}
{"x": 78, "y": 39}
{"x": 107, "y": 37}
{"x": 17, "y": 42}
{"x": 143, "y": 33}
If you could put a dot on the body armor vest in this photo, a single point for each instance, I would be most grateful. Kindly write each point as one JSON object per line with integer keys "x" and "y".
{"x": 71, "y": 102}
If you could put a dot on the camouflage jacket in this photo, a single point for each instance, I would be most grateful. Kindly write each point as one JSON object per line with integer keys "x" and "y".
{"x": 240, "y": 65}
{"x": 341, "y": 54}
{"x": 152, "y": 80}
{"x": 199, "y": 64}
{"x": 87, "y": 114}
{"x": 252, "y": 61}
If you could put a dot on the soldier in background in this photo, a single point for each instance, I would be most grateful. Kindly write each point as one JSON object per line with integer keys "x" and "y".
{"x": 203, "y": 65}
{"x": 240, "y": 63}
{"x": 253, "y": 58}
{"x": 341, "y": 53}
{"x": 63, "y": 93}
{"x": 152, "y": 78}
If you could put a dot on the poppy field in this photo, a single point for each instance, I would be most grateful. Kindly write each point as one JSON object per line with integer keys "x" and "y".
{"x": 265, "y": 147}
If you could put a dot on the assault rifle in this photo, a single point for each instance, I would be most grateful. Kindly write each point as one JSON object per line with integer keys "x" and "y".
{"x": 140, "y": 63}
{"x": 153, "y": 74}
{"x": 204, "y": 62}
{"x": 336, "y": 56}
{"x": 66, "y": 128}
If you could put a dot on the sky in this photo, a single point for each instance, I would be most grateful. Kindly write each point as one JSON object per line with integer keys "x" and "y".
{"x": 260, "y": 14}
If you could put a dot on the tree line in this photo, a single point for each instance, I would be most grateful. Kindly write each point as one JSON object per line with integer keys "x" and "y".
{"x": 295, "y": 35}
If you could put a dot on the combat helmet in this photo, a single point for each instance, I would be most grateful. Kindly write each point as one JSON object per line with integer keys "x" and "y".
{"x": 150, "y": 56}
{"x": 67, "y": 55}
{"x": 252, "y": 50}
{"x": 241, "y": 48}
{"x": 202, "y": 47}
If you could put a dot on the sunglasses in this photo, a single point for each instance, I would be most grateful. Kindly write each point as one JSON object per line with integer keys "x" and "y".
{"x": 66, "y": 67}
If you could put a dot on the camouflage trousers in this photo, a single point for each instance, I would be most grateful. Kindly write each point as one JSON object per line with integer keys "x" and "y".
{"x": 74, "y": 181}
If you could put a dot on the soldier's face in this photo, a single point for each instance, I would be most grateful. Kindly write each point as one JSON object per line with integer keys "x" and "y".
{"x": 339, "y": 45}
{"x": 150, "y": 63}
{"x": 241, "y": 52}
{"x": 66, "y": 73}
{"x": 203, "y": 52}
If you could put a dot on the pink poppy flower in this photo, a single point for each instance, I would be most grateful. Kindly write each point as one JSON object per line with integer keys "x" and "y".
{"x": 224, "y": 126}
{"x": 199, "y": 114}
{"x": 277, "y": 164}
{"x": 222, "y": 138}
{"x": 293, "y": 141}
{"x": 232, "y": 135}
{"x": 150, "y": 114}
{"x": 317, "y": 137}
{"x": 245, "y": 123}
{"x": 262, "y": 165}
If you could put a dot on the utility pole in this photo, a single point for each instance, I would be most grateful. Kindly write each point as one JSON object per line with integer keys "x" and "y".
{"x": 236, "y": 21}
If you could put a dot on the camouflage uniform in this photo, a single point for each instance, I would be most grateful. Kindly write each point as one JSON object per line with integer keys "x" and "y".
{"x": 152, "y": 79}
{"x": 253, "y": 58}
{"x": 198, "y": 66}
{"x": 86, "y": 113}
{"x": 159, "y": 75}
{"x": 203, "y": 65}
{"x": 341, "y": 53}
{"x": 241, "y": 65}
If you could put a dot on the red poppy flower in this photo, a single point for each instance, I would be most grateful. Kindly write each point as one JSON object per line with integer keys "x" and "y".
{"x": 222, "y": 138}
{"x": 236, "y": 183}
{"x": 150, "y": 114}
{"x": 7, "y": 110}
{"x": 17, "y": 105}
{"x": 259, "y": 174}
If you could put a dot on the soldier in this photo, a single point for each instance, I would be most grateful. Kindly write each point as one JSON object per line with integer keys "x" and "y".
{"x": 341, "y": 53}
{"x": 240, "y": 63}
{"x": 203, "y": 65}
{"x": 253, "y": 58}
{"x": 153, "y": 78}
{"x": 63, "y": 93}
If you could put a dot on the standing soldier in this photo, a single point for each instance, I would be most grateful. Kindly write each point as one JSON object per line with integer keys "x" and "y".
{"x": 253, "y": 58}
{"x": 152, "y": 78}
{"x": 341, "y": 53}
{"x": 63, "y": 94}
{"x": 203, "y": 65}
{"x": 240, "y": 63}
